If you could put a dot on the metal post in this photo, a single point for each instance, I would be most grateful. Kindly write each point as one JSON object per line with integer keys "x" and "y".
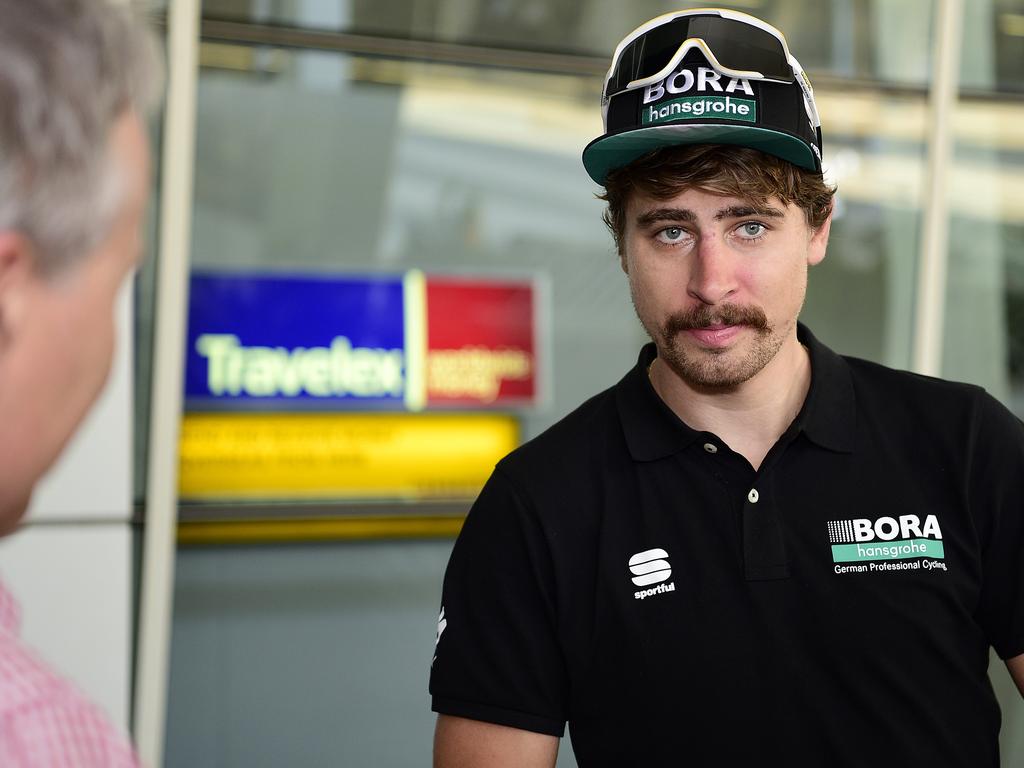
{"x": 155, "y": 604}
{"x": 931, "y": 282}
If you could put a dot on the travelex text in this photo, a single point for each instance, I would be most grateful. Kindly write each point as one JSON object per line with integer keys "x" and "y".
{"x": 407, "y": 341}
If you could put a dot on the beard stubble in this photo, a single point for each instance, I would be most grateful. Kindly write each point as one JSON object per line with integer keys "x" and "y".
{"x": 717, "y": 369}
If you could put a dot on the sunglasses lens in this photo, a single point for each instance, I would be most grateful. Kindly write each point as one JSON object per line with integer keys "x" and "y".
{"x": 736, "y": 45}
{"x": 648, "y": 54}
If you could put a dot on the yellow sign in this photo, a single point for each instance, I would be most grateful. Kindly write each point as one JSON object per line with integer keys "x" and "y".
{"x": 339, "y": 455}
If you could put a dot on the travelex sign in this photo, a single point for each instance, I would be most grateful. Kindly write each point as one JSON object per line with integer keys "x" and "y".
{"x": 395, "y": 341}
{"x": 903, "y": 543}
{"x": 713, "y": 96}
{"x": 338, "y": 370}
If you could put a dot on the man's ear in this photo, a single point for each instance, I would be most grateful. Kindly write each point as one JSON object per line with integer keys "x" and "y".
{"x": 623, "y": 263}
{"x": 819, "y": 240}
{"x": 18, "y": 274}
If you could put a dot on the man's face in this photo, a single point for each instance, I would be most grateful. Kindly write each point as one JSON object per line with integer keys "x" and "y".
{"x": 62, "y": 339}
{"x": 717, "y": 282}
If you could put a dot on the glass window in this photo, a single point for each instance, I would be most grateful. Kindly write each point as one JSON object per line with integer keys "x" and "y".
{"x": 145, "y": 302}
{"x": 321, "y": 161}
{"x": 303, "y": 655}
{"x": 1005, "y": 19}
{"x": 858, "y": 299}
{"x": 886, "y": 40}
{"x": 326, "y": 161}
{"x": 317, "y": 161}
{"x": 984, "y": 318}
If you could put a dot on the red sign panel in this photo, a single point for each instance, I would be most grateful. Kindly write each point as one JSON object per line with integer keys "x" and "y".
{"x": 481, "y": 346}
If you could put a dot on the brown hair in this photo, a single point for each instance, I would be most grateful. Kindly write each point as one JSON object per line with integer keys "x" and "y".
{"x": 720, "y": 170}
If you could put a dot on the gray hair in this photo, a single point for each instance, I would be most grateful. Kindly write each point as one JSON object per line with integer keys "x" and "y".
{"x": 69, "y": 69}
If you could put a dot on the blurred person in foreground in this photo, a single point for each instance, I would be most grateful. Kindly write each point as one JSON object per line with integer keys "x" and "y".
{"x": 76, "y": 79}
{"x": 751, "y": 550}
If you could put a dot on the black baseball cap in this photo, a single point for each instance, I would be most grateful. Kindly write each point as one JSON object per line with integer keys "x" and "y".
{"x": 710, "y": 76}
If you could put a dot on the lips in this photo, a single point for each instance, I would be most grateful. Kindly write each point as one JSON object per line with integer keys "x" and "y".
{"x": 715, "y": 336}
{"x": 715, "y": 328}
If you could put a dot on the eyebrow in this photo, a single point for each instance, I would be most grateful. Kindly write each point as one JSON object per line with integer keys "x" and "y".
{"x": 657, "y": 215}
{"x": 739, "y": 211}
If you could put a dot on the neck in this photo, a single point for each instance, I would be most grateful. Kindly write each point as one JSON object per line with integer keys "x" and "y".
{"x": 24, "y": 428}
{"x": 750, "y": 417}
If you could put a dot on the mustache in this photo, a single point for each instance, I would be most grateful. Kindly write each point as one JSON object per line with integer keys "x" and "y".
{"x": 704, "y": 316}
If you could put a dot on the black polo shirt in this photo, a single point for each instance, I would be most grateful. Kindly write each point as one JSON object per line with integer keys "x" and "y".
{"x": 640, "y": 580}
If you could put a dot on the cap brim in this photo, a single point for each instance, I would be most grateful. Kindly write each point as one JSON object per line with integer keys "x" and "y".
{"x": 609, "y": 152}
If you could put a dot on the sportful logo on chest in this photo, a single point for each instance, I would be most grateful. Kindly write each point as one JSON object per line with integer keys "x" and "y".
{"x": 651, "y": 567}
{"x": 903, "y": 543}
{"x": 702, "y": 80}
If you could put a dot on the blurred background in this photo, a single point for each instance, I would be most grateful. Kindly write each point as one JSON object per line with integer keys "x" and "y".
{"x": 377, "y": 181}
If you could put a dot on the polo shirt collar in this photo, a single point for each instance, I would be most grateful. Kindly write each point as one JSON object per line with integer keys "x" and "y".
{"x": 829, "y": 414}
{"x": 653, "y": 431}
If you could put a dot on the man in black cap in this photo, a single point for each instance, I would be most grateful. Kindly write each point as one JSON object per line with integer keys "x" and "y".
{"x": 751, "y": 550}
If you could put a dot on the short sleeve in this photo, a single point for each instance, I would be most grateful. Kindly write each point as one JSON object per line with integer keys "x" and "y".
{"x": 497, "y": 657}
{"x": 997, "y": 504}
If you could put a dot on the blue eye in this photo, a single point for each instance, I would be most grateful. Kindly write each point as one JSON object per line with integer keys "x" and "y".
{"x": 672, "y": 235}
{"x": 752, "y": 230}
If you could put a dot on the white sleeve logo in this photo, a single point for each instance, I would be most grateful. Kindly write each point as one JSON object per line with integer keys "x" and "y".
{"x": 442, "y": 622}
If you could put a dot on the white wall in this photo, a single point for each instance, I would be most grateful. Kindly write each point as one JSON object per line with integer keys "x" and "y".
{"x": 70, "y": 563}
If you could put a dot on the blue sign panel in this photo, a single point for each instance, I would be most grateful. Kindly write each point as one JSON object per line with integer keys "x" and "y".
{"x": 289, "y": 341}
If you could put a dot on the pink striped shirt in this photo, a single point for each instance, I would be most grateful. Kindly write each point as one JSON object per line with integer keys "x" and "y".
{"x": 44, "y": 721}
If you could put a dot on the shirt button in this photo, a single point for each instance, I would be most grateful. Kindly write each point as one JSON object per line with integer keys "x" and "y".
{"x": 753, "y": 496}
{"x": 710, "y": 447}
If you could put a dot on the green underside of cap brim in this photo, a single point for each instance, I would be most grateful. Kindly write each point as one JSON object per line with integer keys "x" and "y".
{"x": 610, "y": 152}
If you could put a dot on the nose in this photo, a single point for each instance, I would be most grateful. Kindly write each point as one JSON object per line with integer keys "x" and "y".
{"x": 712, "y": 275}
